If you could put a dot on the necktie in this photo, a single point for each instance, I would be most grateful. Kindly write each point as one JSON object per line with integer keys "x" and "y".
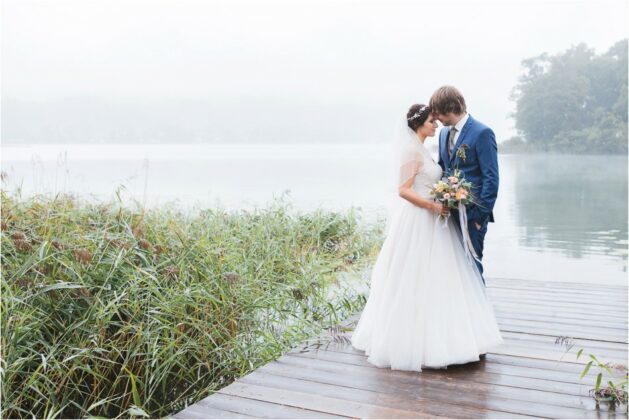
{"x": 451, "y": 141}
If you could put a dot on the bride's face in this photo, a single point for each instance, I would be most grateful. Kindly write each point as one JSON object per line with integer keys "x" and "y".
{"x": 429, "y": 127}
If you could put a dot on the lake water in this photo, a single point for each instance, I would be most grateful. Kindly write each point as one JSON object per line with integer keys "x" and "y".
{"x": 559, "y": 218}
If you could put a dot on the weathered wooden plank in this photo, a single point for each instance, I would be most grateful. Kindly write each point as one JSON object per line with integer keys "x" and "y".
{"x": 564, "y": 308}
{"x": 528, "y": 368}
{"x": 412, "y": 402}
{"x": 312, "y": 400}
{"x": 536, "y": 351}
{"x": 259, "y": 409}
{"x": 534, "y": 354}
{"x": 541, "y": 284}
{"x": 470, "y": 375}
{"x": 609, "y": 329}
{"x": 551, "y": 302}
{"x": 533, "y": 303}
{"x": 577, "y": 288}
{"x": 519, "y": 338}
{"x": 583, "y": 341}
{"x": 435, "y": 388}
{"x": 549, "y": 340}
{"x": 544, "y": 297}
{"x": 587, "y": 382}
{"x": 553, "y": 331}
{"x": 494, "y": 292}
{"x": 584, "y": 301}
{"x": 556, "y": 330}
{"x": 557, "y": 287}
{"x": 527, "y": 351}
{"x": 564, "y": 366}
{"x": 197, "y": 411}
{"x": 558, "y": 317}
{"x": 518, "y": 306}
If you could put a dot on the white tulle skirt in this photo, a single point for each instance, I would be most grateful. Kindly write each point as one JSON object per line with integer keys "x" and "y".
{"x": 427, "y": 305}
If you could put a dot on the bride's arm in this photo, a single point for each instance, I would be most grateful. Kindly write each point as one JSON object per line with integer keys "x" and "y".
{"x": 407, "y": 192}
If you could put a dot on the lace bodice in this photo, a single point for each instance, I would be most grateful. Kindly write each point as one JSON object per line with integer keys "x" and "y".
{"x": 428, "y": 175}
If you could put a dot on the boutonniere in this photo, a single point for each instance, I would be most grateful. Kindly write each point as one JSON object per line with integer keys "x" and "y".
{"x": 460, "y": 153}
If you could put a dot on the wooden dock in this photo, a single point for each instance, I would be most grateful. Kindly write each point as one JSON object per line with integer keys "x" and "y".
{"x": 528, "y": 376}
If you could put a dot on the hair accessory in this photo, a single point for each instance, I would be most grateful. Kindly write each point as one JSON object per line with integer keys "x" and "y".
{"x": 419, "y": 113}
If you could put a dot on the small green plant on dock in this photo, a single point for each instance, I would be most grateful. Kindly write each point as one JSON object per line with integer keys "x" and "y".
{"x": 611, "y": 380}
{"x": 615, "y": 388}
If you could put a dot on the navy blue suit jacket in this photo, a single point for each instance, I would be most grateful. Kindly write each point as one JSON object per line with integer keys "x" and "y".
{"x": 480, "y": 166}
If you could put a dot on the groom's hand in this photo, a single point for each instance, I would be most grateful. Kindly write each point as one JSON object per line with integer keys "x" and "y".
{"x": 477, "y": 225}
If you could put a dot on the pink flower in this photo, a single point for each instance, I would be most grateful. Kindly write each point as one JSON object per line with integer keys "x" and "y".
{"x": 446, "y": 196}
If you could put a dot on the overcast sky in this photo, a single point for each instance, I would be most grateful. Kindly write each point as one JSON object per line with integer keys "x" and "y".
{"x": 381, "y": 55}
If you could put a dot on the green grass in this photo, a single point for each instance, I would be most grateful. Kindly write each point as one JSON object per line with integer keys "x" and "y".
{"x": 114, "y": 312}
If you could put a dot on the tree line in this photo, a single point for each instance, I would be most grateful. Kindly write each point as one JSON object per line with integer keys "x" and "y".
{"x": 572, "y": 102}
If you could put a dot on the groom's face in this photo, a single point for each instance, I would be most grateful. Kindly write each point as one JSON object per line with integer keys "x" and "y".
{"x": 446, "y": 119}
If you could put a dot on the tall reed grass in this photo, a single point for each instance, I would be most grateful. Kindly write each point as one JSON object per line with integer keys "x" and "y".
{"x": 113, "y": 312}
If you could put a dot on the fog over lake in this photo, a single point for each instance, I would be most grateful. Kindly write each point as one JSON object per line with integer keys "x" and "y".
{"x": 196, "y": 71}
{"x": 555, "y": 219}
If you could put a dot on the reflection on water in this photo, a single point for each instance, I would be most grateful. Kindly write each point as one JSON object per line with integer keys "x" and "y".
{"x": 561, "y": 218}
{"x": 575, "y": 204}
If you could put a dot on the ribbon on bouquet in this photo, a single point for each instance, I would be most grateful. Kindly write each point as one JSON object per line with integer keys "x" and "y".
{"x": 467, "y": 241}
{"x": 470, "y": 252}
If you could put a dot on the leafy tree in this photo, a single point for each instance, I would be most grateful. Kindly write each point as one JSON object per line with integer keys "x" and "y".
{"x": 574, "y": 101}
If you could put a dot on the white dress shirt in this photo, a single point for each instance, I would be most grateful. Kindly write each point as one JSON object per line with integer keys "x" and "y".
{"x": 459, "y": 127}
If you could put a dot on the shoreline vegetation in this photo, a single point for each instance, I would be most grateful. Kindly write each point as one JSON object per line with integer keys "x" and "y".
{"x": 572, "y": 102}
{"x": 109, "y": 311}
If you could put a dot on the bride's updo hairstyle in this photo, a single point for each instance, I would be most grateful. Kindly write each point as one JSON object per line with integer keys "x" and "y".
{"x": 417, "y": 116}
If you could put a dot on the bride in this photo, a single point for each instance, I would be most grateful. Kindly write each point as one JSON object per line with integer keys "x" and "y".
{"x": 427, "y": 306}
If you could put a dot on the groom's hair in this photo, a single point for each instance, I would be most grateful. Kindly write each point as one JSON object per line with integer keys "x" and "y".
{"x": 447, "y": 99}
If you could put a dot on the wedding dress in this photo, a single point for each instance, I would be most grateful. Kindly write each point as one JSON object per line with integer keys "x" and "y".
{"x": 427, "y": 305}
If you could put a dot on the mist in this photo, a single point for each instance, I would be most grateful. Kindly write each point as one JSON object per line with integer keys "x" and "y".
{"x": 270, "y": 72}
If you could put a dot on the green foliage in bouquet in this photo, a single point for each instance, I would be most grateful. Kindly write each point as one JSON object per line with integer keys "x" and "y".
{"x": 453, "y": 190}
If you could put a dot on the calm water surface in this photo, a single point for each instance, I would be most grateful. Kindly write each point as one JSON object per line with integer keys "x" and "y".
{"x": 559, "y": 218}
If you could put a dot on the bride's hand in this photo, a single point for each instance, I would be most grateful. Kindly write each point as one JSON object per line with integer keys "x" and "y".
{"x": 439, "y": 208}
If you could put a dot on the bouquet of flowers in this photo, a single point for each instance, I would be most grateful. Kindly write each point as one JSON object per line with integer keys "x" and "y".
{"x": 456, "y": 192}
{"x": 453, "y": 190}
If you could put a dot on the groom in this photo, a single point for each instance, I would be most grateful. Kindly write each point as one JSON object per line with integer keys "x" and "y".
{"x": 470, "y": 146}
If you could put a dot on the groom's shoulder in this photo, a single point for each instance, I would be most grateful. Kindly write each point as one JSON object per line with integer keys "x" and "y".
{"x": 480, "y": 127}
